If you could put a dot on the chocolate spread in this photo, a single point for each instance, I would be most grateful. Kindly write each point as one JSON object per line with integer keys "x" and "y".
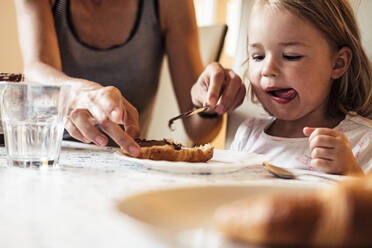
{"x": 11, "y": 77}
{"x": 163, "y": 142}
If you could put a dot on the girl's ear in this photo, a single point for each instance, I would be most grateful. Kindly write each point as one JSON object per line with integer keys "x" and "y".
{"x": 342, "y": 62}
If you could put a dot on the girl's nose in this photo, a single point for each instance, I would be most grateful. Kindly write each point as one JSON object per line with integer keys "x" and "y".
{"x": 270, "y": 67}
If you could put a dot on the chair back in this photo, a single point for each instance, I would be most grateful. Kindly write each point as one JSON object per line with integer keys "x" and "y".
{"x": 211, "y": 40}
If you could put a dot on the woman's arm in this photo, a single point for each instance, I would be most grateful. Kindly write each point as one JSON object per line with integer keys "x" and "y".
{"x": 182, "y": 46}
{"x": 91, "y": 103}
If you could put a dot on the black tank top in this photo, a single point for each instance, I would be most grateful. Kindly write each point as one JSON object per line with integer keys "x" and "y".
{"x": 133, "y": 67}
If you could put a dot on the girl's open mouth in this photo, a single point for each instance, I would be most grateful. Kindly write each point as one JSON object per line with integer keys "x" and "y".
{"x": 282, "y": 95}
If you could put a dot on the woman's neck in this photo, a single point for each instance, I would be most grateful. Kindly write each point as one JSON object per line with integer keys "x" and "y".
{"x": 294, "y": 128}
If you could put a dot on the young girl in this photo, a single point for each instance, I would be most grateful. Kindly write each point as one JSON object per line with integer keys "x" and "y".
{"x": 308, "y": 69}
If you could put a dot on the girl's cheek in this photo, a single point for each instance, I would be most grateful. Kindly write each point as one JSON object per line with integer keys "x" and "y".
{"x": 253, "y": 74}
{"x": 257, "y": 90}
{"x": 256, "y": 87}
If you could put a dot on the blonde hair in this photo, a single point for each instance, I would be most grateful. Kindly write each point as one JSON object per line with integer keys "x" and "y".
{"x": 336, "y": 20}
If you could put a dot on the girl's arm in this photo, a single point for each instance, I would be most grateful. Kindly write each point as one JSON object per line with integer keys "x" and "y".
{"x": 178, "y": 21}
{"x": 42, "y": 63}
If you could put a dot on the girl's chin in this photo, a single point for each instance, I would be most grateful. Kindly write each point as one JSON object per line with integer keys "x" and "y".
{"x": 282, "y": 115}
{"x": 282, "y": 110}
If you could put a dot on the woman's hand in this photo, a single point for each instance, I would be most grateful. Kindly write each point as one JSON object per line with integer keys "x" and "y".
{"x": 331, "y": 152}
{"x": 220, "y": 88}
{"x": 106, "y": 108}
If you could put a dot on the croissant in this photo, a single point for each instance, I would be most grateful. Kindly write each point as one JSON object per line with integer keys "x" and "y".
{"x": 340, "y": 216}
{"x": 170, "y": 151}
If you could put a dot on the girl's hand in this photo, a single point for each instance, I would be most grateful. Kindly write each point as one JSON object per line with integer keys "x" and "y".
{"x": 106, "y": 108}
{"x": 220, "y": 88}
{"x": 331, "y": 152}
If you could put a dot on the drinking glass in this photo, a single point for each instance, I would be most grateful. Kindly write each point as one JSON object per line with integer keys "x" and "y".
{"x": 8, "y": 77}
{"x": 33, "y": 118}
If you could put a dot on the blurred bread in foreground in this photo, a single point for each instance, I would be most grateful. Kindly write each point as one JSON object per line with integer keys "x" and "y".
{"x": 339, "y": 216}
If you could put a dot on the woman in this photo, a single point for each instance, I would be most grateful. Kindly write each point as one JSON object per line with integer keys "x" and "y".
{"x": 110, "y": 52}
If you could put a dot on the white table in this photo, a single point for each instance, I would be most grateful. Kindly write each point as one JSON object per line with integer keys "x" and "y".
{"x": 75, "y": 206}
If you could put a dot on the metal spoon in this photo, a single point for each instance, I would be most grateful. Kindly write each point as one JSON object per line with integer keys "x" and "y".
{"x": 286, "y": 174}
{"x": 279, "y": 172}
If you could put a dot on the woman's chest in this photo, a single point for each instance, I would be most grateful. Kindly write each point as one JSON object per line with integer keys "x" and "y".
{"x": 103, "y": 23}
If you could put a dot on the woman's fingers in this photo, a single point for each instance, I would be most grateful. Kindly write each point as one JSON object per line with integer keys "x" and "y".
{"x": 131, "y": 119}
{"x": 240, "y": 98}
{"x": 81, "y": 125}
{"x": 107, "y": 108}
{"x": 120, "y": 137}
{"x": 84, "y": 123}
{"x": 217, "y": 78}
{"x": 232, "y": 95}
{"x": 106, "y": 103}
{"x": 74, "y": 132}
{"x": 109, "y": 104}
{"x": 220, "y": 88}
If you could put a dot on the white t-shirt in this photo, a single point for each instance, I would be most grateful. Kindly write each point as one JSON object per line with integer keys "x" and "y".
{"x": 295, "y": 152}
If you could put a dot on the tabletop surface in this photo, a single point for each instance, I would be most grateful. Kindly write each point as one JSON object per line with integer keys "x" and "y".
{"x": 76, "y": 205}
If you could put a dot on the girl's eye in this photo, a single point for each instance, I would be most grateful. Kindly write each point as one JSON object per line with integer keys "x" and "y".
{"x": 292, "y": 57}
{"x": 258, "y": 57}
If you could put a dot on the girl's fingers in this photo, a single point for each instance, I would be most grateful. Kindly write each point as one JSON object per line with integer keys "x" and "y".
{"x": 308, "y": 131}
{"x": 322, "y": 141}
{"x": 323, "y": 153}
{"x": 325, "y": 137}
{"x": 330, "y": 150}
{"x": 324, "y": 165}
{"x": 324, "y": 131}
